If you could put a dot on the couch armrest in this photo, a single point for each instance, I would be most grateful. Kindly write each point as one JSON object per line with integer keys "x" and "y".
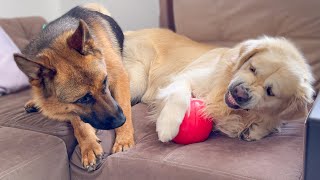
{"x": 77, "y": 171}
{"x": 312, "y": 143}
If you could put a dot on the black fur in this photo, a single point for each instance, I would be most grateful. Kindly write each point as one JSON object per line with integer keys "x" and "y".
{"x": 70, "y": 21}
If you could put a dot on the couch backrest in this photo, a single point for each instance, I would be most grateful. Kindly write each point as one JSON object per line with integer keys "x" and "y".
{"x": 226, "y": 22}
{"x": 22, "y": 30}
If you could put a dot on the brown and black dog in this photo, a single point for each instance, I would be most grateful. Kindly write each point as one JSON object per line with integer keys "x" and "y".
{"x": 75, "y": 69}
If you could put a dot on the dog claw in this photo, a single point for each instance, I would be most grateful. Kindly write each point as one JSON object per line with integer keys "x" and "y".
{"x": 98, "y": 159}
{"x": 121, "y": 147}
{"x": 244, "y": 134}
{"x": 91, "y": 168}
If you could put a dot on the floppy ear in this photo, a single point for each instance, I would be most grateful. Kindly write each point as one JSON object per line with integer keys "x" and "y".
{"x": 246, "y": 50}
{"x": 298, "y": 105}
{"x": 81, "y": 40}
{"x": 33, "y": 69}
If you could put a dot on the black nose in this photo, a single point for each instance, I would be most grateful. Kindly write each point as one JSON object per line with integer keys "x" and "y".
{"x": 119, "y": 119}
{"x": 240, "y": 94}
{"x": 107, "y": 122}
{"x": 116, "y": 122}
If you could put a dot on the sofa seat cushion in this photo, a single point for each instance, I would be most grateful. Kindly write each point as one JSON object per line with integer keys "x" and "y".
{"x": 279, "y": 156}
{"x": 14, "y": 115}
{"x": 30, "y": 155}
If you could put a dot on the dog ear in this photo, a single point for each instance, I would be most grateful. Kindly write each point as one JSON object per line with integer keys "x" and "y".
{"x": 81, "y": 40}
{"x": 33, "y": 69}
{"x": 298, "y": 105}
{"x": 246, "y": 50}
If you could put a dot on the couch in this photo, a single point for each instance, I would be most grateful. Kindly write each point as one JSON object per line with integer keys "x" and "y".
{"x": 34, "y": 147}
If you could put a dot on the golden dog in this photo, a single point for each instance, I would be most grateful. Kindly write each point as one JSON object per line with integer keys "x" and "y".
{"x": 247, "y": 89}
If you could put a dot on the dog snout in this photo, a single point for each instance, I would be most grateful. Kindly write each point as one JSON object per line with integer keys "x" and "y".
{"x": 117, "y": 119}
{"x": 106, "y": 117}
{"x": 240, "y": 94}
{"x": 121, "y": 118}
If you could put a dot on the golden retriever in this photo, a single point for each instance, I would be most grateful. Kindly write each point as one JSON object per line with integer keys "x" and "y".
{"x": 248, "y": 89}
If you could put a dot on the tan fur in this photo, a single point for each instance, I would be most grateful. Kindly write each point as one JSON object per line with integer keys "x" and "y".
{"x": 119, "y": 83}
{"x": 75, "y": 75}
{"x": 97, "y": 7}
{"x": 151, "y": 55}
{"x": 166, "y": 68}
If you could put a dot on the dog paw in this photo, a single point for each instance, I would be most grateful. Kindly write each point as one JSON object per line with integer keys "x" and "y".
{"x": 166, "y": 136}
{"x": 254, "y": 133}
{"x": 245, "y": 135}
{"x": 91, "y": 152}
{"x": 31, "y": 107}
{"x": 123, "y": 143}
{"x": 167, "y": 129}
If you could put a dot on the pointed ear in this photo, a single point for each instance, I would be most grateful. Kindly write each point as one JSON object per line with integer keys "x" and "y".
{"x": 246, "y": 50}
{"x": 81, "y": 40}
{"x": 34, "y": 70}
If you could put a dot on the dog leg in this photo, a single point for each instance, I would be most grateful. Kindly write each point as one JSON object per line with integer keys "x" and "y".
{"x": 89, "y": 143}
{"x": 124, "y": 134}
{"x": 175, "y": 100}
{"x": 31, "y": 106}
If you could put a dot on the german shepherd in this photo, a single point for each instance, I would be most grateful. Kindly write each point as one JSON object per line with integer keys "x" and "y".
{"x": 75, "y": 69}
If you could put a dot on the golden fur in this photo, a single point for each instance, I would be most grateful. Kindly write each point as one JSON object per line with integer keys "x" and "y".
{"x": 166, "y": 69}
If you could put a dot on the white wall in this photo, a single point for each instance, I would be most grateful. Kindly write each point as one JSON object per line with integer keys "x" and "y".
{"x": 130, "y": 14}
{"x": 15, "y": 8}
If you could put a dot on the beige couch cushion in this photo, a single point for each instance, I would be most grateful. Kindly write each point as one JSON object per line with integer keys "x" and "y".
{"x": 30, "y": 155}
{"x": 227, "y": 22}
{"x": 279, "y": 156}
{"x": 12, "y": 114}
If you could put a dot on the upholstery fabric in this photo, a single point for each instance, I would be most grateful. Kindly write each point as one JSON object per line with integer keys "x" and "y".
{"x": 14, "y": 115}
{"x": 31, "y": 155}
{"x": 279, "y": 156}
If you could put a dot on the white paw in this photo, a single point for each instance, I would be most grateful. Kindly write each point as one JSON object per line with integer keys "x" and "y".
{"x": 167, "y": 128}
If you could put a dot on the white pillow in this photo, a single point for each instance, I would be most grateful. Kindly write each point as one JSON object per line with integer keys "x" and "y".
{"x": 12, "y": 78}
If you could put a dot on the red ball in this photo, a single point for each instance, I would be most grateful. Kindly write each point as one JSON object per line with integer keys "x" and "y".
{"x": 194, "y": 127}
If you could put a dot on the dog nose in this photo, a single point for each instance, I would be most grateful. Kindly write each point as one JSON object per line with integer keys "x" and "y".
{"x": 121, "y": 118}
{"x": 240, "y": 94}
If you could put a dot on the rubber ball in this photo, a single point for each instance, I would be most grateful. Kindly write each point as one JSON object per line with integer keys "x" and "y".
{"x": 194, "y": 127}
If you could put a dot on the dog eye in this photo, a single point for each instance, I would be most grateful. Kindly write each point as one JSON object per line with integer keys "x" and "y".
{"x": 253, "y": 70}
{"x": 269, "y": 91}
{"x": 87, "y": 99}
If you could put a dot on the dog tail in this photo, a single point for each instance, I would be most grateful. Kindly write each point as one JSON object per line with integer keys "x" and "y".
{"x": 97, "y": 7}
